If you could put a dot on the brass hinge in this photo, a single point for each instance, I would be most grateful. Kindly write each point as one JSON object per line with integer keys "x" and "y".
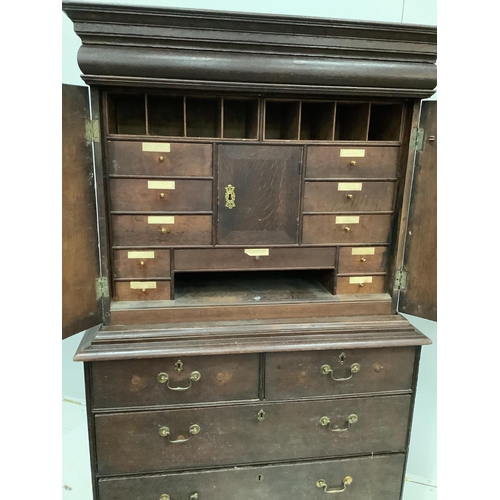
{"x": 92, "y": 131}
{"x": 400, "y": 279}
{"x": 417, "y": 139}
{"x": 101, "y": 287}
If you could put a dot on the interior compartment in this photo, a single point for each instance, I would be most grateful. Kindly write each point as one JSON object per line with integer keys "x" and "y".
{"x": 316, "y": 121}
{"x": 351, "y": 122}
{"x": 282, "y": 120}
{"x": 203, "y": 117}
{"x": 127, "y": 114}
{"x": 241, "y": 118}
{"x": 246, "y": 287}
{"x": 166, "y": 115}
{"x": 385, "y": 122}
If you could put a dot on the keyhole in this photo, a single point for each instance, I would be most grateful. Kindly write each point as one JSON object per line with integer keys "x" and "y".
{"x": 342, "y": 358}
{"x": 260, "y": 477}
{"x": 230, "y": 196}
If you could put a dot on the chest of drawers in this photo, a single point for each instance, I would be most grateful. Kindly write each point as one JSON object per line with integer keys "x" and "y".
{"x": 247, "y": 227}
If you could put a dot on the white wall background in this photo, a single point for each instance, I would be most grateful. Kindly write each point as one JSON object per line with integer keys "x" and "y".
{"x": 422, "y": 461}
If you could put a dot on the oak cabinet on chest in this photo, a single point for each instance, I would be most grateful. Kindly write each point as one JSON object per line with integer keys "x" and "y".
{"x": 242, "y": 222}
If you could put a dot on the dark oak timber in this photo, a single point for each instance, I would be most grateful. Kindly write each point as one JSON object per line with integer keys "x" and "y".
{"x": 253, "y": 181}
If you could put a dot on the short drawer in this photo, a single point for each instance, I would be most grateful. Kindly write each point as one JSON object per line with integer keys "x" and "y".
{"x": 140, "y": 383}
{"x": 331, "y": 373}
{"x": 350, "y": 229}
{"x": 150, "y": 230}
{"x": 360, "y": 284}
{"x": 348, "y": 196}
{"x": 141, "y": 263}
{"x": 162, "y": 440}
{"x": 373, "y": 477}
{"x": 159, "y": 159}
{"x": 362, "y": 260}
{"x": 155, "y": 195}
{"x": 339, "y": 162}
{"x": 142, "y": 290}
{"x": 254, "y": 258}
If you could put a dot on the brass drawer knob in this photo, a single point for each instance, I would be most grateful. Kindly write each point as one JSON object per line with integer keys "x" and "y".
{"x": 321, "y": 483}
{"x": 362, "y": 259}
{"x": 349, "y": 196}
{"x": 142, "y": 263}
{"x": 164, "y": 379}
{"x": 161, "y": 158}
{"x": 352, "y": 163}
{"x": 162, "y": 195}
{"x": 347, "y": 229}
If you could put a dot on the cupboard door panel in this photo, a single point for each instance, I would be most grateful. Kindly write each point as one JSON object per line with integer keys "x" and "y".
{"x": 258, "y": 194}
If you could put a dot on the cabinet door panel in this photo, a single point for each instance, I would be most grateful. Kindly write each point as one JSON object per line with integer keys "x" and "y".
{"x": 258, "y": 194}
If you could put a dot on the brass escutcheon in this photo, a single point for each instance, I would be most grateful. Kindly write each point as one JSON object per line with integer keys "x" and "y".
{"x": 230, "y": 196}
{"x": 261, "y": 415}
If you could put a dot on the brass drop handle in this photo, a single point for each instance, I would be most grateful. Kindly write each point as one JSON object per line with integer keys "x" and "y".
{"x": 349, "y": 196}
{"x": 352, "y": 163}
{"x": 161, "y": 158}
{"x": 325, "y": 370}
{"x": 321, "y": 483}
{"x": 165, "y": 496}
{"x": 165, "y": 432}
{"x": 163, "y": 378}
{"x": 351, "y": 419}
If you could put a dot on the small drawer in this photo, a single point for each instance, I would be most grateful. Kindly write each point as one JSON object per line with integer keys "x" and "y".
{"x": 162, "y": 440}
{"x": 360, "y": 284}
{"x": 154, "y": 195}
{"x": 254, "y": 258}
{"x": 348, "y": 196}
{"x": 142, "y": 290}
{"x": 362, "y": 260}
{"x": 142, "y": 382}
{"x": 159, "y": 159}
{"x": 141, "y": 263}
{"x": 330, "y": 373}
{"x": 373, "y": 477}
{"x": 339, "y": 229}
{"x": 341, "y": 162}
{"x": 150, "y": 230}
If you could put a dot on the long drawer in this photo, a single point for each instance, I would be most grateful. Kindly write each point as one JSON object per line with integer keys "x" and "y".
{"x": 150, "y": 441}
{"x": 154, "y": 195}
{"x": 364, "y": 478}
{"x": 340, "y": 162}
{"x": 148, "y": 230}
{"x": 254, "y": 258}
{"x": 159, "y": 159}
{"x": 346, "y": 229}
{"x": 331, "y": 373}
{"x": 174, "y": 381}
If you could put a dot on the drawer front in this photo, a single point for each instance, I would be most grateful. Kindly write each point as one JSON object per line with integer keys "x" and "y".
{"x": 362, "y": 260}
{"x": 141, "y": 383}
{"x": 377, "y": 477}
{"x": 340, "y": 162}
{"x": 360, "y": 284}
{"x": 141, "y": 263}
{"x": 171, "y": 159}
{"x": 142, "y": 290}
{"x": 189, "y": 438}
{"x": 300, "y": 374}
{"x": 254, "y": 258}
{"x": 353, "y": 229}
{"x": 154, "y": 195}
{"x": 144, "y": 230}
{"x": 348, "y": 196}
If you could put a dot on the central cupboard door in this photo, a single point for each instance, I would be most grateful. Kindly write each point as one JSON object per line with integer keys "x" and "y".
{"x": 258, "y": 194}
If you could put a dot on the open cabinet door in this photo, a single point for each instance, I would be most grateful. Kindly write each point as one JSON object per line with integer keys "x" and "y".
{"x": 419, "y": 294}
{"x": 81, "y": 307}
